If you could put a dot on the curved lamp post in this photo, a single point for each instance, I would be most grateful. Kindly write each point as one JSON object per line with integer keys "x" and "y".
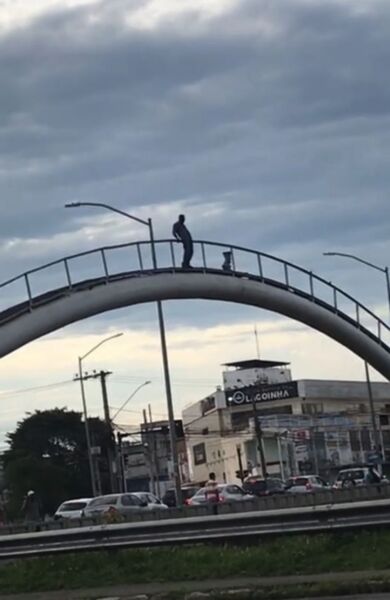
{"x": 85, "y": 413}
{"x": 122, "y": 478}
{"x": 168, "y": 389}
{"x": 129, "y": 398}
{"x": 384, "y": 270}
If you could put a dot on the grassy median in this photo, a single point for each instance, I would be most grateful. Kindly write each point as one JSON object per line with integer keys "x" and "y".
{"x": 283, "y": 556}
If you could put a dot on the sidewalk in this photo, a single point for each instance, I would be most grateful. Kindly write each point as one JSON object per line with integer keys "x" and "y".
{"x": 144, "y": 591}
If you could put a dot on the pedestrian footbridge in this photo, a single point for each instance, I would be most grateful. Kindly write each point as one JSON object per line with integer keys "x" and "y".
{"x": 64, "y": 291}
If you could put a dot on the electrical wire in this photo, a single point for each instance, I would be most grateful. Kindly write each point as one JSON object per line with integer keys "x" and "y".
{"x": 47, "y": 387}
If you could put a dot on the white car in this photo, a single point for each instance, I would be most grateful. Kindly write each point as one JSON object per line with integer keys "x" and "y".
{"x": 152, "y": 501}
{"x": 72, "y": 509}
{"x": 357, "y": 477}
{"x": 306, "y": 484}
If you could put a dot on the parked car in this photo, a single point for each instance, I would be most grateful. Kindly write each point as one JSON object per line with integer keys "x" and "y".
{"x": 153, "y": 503}
{"x": 115, "y": 505}
{"x": 72, "y": 509}
{"x": 263, "y": 487}
{"x": 227, "y": 493}
{"x": 187, "y": 492}
{"x": 356, "y": 477}
{"x": 304, "y": 484}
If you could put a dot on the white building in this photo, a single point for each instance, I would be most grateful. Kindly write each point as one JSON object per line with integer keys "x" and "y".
{"x": 307, "y": 425}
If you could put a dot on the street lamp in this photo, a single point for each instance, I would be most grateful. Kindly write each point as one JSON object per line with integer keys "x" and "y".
{"x": 384, "y": 270}
{"x": 168, "y": 390}
{"x": 129, "y": 398}
{"x": 86, "y": 424}
{"x": 122, "y": 478}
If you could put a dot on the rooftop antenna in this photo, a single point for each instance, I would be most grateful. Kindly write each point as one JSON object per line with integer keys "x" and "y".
{"x": 257, "y": 342}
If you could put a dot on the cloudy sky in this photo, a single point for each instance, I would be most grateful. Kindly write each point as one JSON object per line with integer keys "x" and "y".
{"x": 265, "y": 121}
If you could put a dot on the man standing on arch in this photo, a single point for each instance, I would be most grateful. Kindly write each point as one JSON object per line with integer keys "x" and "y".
{"x": 181, "y": 234}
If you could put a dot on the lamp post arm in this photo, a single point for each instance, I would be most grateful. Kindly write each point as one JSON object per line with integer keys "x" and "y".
{"x": 361, "y": 260}
{"x": 108, "y": 207}
{"x": 100, "y": 344}
{"x": 128, "y": 400}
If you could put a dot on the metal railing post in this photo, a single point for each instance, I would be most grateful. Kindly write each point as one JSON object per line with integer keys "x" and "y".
{"x": 141, "y": 264}
{"x": 28, "y": 289}
{"x": 68, "y": 273}
{"x": 203, "y": 257}
{"x": 103, "y": 255}
{"x": 260, "y": 265}
{"x": 286, "y": 274}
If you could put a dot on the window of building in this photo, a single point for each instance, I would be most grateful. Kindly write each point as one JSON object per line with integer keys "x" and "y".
{"x": 354, "y": 440}
{"x": 366, "y": 440}
{"x": 240, "y": 420}
{"x": 276, "y": 410}
{"x": 312, "y": 408}
{"x": 384, "y": 419}
{"x": 199, "y": 452}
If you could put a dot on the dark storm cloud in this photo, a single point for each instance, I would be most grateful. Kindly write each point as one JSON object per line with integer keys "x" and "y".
{"x": 277, "y": 115}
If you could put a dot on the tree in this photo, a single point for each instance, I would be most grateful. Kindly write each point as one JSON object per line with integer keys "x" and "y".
{"x": 48, "y": 454}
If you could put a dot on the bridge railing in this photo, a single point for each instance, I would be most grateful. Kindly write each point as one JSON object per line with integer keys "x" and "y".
{"x": 136, "y": 258}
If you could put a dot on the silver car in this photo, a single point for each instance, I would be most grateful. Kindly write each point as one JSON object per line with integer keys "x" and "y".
{"x": 72, "y": 509}
{"x": 114, "y": 505}
{"x": 228, "y": 492}
{"x": 153, "y": 503}
{"x": 306, "y": 484}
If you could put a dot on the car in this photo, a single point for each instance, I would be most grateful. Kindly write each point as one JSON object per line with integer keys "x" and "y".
{"x": 228, "y": 492}
{"x": 72, "y": 509}
{"x": 153, "y": 503}
{"x": 356, "y": 477}
{"x": 263, "y": 487}
{"x": 304, "y": 484}
{"x": 187, "y": 491}
{"x": 115, "y": 506}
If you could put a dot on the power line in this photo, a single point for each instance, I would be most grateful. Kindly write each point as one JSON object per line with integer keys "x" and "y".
{"x": 48, "y": 387}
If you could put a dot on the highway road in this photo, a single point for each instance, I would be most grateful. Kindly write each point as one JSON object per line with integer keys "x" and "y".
{"x": 234, "y": 528}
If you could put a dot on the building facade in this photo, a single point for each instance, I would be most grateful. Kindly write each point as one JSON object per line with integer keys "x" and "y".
{"x": 306, "y": 426}
{"x": 147, "y": 464}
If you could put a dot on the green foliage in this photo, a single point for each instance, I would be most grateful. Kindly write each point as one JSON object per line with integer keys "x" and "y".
{"x": 48, "y": 454}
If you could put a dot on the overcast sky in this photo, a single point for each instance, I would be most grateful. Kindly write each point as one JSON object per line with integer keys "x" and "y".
{"x": 265, "y": 121}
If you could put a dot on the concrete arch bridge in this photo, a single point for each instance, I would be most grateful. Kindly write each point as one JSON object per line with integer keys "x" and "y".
{"x": 61, "y": 292}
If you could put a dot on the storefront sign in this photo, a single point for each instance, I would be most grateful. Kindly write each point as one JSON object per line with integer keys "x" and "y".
{"x": 262, "y": 393}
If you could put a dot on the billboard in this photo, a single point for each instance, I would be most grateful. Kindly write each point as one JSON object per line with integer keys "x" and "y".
{"x": 261, "y": 393}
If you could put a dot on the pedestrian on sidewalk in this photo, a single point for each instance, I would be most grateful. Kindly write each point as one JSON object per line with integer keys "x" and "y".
{"x": 212, "y": 492}
{"x": 31, "y": 508}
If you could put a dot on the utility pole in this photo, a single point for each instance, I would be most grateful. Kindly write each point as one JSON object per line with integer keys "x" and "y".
{"x": 149, "y": 451}
{"x": 377, "y": 442}
{"x": 154, "y": 456}
{"x": 110, "y": 454}
{"x": 102, "y": 375}
{"x": 240, "y": 469}
{"x": 259, "y": 437}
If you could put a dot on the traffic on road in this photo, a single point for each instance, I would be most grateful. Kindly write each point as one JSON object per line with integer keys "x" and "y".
{"x": 118, "y": 507}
